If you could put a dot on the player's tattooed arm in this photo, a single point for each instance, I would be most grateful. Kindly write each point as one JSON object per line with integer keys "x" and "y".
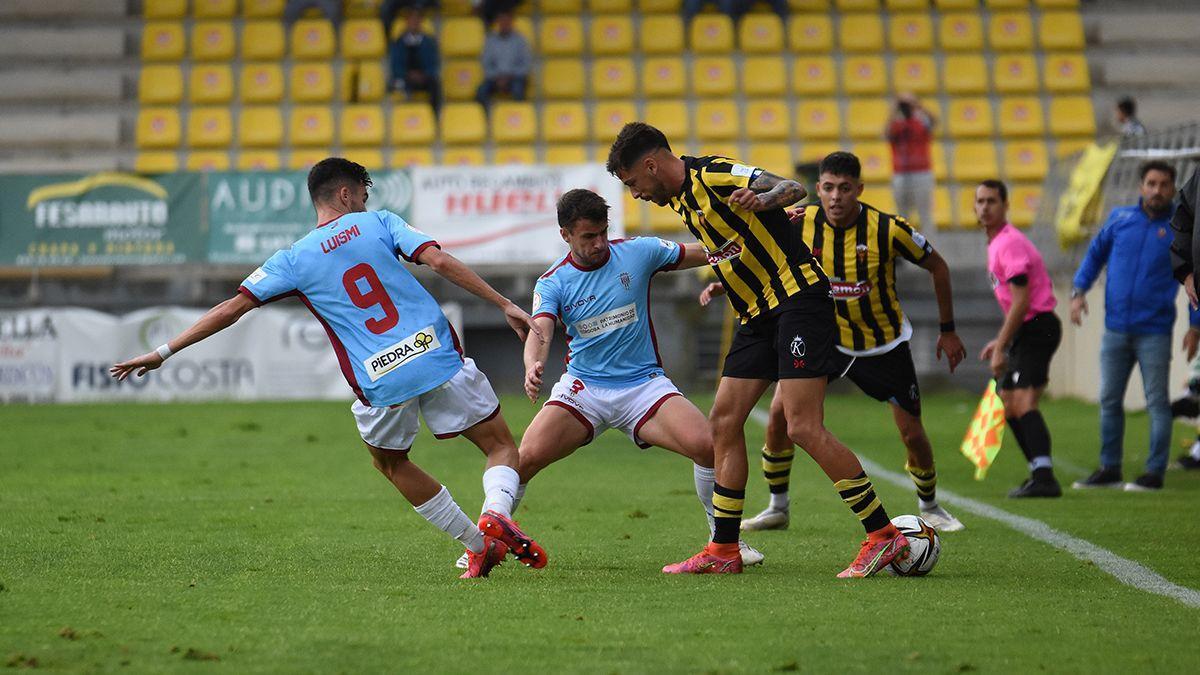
{"x": 768, "y": 191}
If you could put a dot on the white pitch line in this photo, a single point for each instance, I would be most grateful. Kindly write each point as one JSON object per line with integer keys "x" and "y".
{"x": 1128, "y": 572}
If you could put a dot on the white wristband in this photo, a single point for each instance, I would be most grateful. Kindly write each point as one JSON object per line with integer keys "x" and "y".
{"x": 164, "y": 351}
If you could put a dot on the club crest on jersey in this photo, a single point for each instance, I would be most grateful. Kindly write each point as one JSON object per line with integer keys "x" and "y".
{"x": 730, "y": 251}
{"x": 860, "y": 252}
{"x": 797, "y": 347}
{"x": 849, "y": 290}
{"x": 405, "y": 351}
{"x": 626, "y": 280}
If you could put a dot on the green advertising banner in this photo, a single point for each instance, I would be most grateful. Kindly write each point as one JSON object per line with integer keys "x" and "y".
{"x": 106, "y": 218}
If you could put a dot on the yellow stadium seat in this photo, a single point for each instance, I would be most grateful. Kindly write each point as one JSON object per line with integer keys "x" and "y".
{"x": 565, "y": 154}
{"x": 768, "y": 120}
{"x": 210, "y": 84}
{"x": 761, "y": 33}
{"x": 1056, "y": 4}
{"x": 814, "y": 76}
{"x": 463, "y": 123}
{"x": 659, "y": 6}
{"x": 937, "y": 155}
{"x": 209, "y": 128}
{"x": 1061, "y": 31}
{"x": 1010, "y": 31}
{"x": 895, "y": 5}
{"x": 560, "y": 6}
{"x": 372, "y": 82}
{"x": 1006, "y": 4}
{"x": 943, "y": 210}
{"x": 413, "y": 124}
{"x": 1065, "y": 147}
{"x": 866, "y": 117}
{"x": 261, "y": 83}
{"x": 970, "y": 117}
{"x": 974, "y": 161}
{"x": 633, "y": 213}
{"x": 1021, "y": 116}
{"x": 911, "y": 32}
{"x": 467, "y": 155}
{"x": 768, "y": 76}
{"x": 864, "y": 75}
{"x": 212, "y": 41}
{"x": 312, "y": 82}
{"x": 513, "y": 122}
{"x": 312, "y": 39}
{"x": 461, "y": 36}
{"x": 611, "y": 6}
{"x": 857, "y": 5}
{"x": 160, "y": 85}
{"x": 956, "y": 4}
{"x": 260, "y": 127}
{"x": 664, "y": 221}
{"x": 878, "y": 194}
{"x": 819, "y": 119}
{"x": 561, "y": 36}
{"x": 1015, "y": 74}
{"x": 258, "y": 160}
{"x": 371, "y": 158}
{"x": 670, "y": 117}
{"x": 916, "y": 74}
{"x": 965, "y": 74}
{"x": 859, "y": 33}
{"x": 363, "y": 39}
{"x": 157, "y": 128}
{"x": 613, "y": 77}
{"x": 564, "y": 123}
{"x": 262, "y": 9}
{"x": 1025, "y": 161}
{"x": 262, "y": 40}
{"x": 774, "y": 157}
{"x": 403, "y": 157}
{"x": 358, "y": 9}
{"x": 461, "y": 79}
{"x": 810, "y": 33}
{"x": 965, "y": 199}
{"x": 1072, "y": 116}
{"x": 207, "y": 160}
{"x": 214, "y": 9}
{"x": 305, "y": 158}
{"x": 661, "y": 35}
{"x": 713, "y": 76}
{"x": 514, "y": 154}
{"x": 609, "y": 116}
{"x": 815, "y": 152}
{"x": 162, "y": 41}
{"x": 362, "y": 124}
{"x": 711, "y": 34}
{"x": 156, "y": 162}
{"x": 663, "y": 76}
{"x": 1066, "y": 73}
{"x": 1023, "y": 204}
{"x": 612, "y": 35}
{"x": 563, "y": 78}
{"x": 164, "y": 9}
{"x": 311, "y": 125}
{"x": 961, "y": 32}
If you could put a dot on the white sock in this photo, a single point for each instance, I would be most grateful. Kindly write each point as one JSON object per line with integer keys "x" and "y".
{"x": 520, "y": 495}
{"x": 780, "y": 501}
{"x": 444, "y": 514}
{"x": 706, "y": 478}
{"x": 500, "y": 489}
{"x": 927, "y": 506}
{"x": 1195, "y": 452}
{"x": 1041, "y": 462}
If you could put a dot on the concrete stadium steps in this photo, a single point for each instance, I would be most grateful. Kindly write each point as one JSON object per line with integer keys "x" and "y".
{"x": 67, "y": 84}
{"x": 61, "y": 44}
{"x": 62, "y": 9}
{"x": 73, "y": 130}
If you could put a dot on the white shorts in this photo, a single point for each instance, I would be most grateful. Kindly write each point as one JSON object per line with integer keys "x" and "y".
{"x": 450, "y": 409}
{"x": 600, "y": 408}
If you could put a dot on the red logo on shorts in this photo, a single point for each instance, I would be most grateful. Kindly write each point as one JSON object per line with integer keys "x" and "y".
{"x": 576, "y": 387}
{"x": 798, "y": 363}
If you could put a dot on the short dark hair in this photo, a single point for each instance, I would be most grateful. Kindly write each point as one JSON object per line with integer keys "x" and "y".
{"x": 840, "y": 164}
{"x": 579, "y": 204}
{"x": 1156, "y": 165}
{"x": 1127, "y": 105}
{"x": 633, "y": 142}
{"x": 997, "y": 185}
{"x": 330, "y": 174}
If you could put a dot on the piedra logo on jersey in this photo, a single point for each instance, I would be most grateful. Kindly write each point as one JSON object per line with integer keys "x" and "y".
{"x": 405, "y": 351}
{"x": 849, "y": 290}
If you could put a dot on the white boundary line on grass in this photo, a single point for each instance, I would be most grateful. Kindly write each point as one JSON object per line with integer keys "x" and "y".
{"x": 1128, "y": 572}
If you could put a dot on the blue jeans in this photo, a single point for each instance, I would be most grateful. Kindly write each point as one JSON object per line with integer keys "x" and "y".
{"x": 1118, "y": 353}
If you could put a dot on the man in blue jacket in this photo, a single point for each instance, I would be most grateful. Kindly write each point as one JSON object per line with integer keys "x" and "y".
{"x": 1139, "y": 311}
{"x": 416, "y": 64}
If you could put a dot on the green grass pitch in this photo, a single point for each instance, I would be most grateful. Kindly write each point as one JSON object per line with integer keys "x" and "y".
{"x": 257, "y": 538}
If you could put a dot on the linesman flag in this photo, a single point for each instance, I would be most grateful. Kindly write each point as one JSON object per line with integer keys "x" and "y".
{"x": 986, "y": 432}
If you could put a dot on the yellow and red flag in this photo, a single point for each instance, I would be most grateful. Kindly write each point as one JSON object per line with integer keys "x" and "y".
{"x": 986, "y": 432}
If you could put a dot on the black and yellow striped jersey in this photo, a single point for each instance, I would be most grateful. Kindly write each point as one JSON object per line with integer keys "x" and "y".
{"x": 758, "y": 256}
{"x": 861, "y": 263}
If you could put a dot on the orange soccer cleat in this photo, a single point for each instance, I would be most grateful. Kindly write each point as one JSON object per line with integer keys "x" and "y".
{"x": 480, "y": 564}
{"x": 880, "y": 548}
{"x": 714, "y": 559}
{"x": 525, "y": 549}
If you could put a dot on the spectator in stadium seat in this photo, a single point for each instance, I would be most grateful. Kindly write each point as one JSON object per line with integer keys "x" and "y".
{"x": 734, "y": 9}
{"x": 1139, "y": 313}
{"x": 416, "y": 65}
{"x": 506, "y": 62}
{"x": 1127, "y": 121}
{"x": 294, "y": 9}
{"x": 390, "y": 9}
{"x": 910, "y": 133}
{"x": 1185, "y": 246}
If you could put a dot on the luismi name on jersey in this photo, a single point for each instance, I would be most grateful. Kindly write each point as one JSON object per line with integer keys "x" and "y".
{"x": 608, "y": 321}
{"x": 405, "y": 351}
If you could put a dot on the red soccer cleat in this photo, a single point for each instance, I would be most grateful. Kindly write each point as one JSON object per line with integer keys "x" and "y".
{"x": 526, "y": 550}
{"x": 712, "y": 560}
{"x": 879, "y": 549}
{"x": 479, "y": 564}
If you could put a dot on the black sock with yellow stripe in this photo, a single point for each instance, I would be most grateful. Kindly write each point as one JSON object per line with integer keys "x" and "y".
{"x": 777, "y": 468}
{"x": 926, "y": 482}
{"x": 859, "y": 495}
{"x": 727, "y": 512}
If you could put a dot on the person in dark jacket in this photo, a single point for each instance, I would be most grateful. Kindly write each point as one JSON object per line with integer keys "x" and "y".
{"x": 1139, "y": 313}
{"x": 416, "y": 64}
{"x": 1185, "y": 247}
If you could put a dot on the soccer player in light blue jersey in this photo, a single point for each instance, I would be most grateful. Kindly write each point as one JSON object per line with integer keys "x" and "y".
{"x": 396, "y": 350}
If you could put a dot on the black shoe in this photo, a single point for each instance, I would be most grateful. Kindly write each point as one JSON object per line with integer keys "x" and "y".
{"x": 1185, "y": 407}
{"x": 1147, "y": 482}
{"x": 1101, "y": 478}
{"x": 1036, "y": 488}
{"x": 1188, "y": 462}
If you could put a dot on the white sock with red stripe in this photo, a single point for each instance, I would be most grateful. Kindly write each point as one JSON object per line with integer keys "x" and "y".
{"x": 443, "y": 513}
{"x": 500, "y": 486}
{"x": 705, "y": 478}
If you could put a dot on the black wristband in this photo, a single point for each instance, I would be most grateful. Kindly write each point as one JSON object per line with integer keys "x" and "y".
{"x": 947, "y": 327}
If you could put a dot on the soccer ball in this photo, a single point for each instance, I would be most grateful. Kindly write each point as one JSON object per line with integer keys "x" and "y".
{"x": 924, "y": 547}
